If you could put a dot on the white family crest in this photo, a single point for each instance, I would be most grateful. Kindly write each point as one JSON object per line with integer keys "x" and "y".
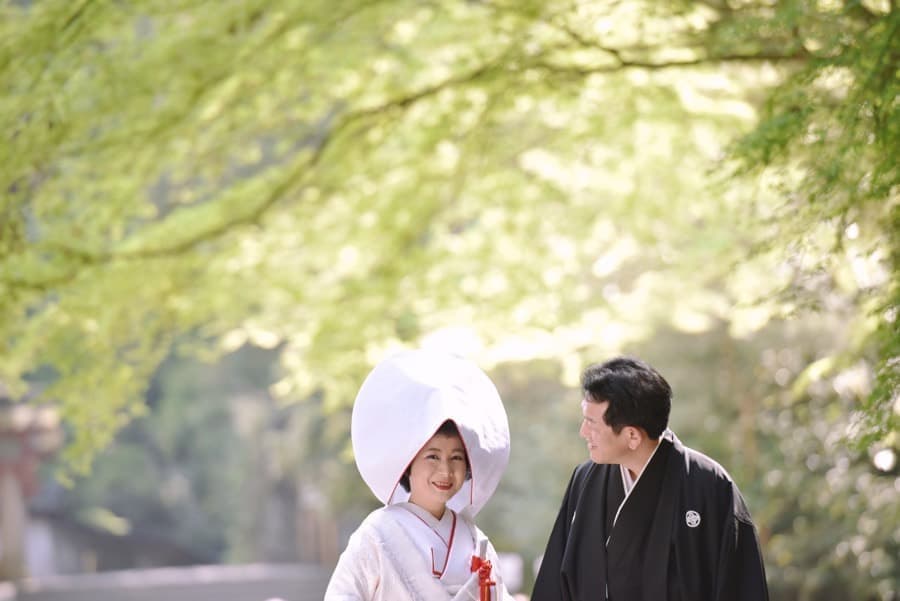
{"x": 692, "y": 518}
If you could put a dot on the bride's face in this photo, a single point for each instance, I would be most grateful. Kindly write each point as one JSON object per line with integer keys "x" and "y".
{"x": 437, "y": 473}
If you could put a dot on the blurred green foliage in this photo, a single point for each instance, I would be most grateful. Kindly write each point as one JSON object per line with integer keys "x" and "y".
{"x": 710, "y": 184}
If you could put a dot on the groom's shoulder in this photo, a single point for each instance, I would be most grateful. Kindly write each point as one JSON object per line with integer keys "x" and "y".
{"x": 588, "y": 469}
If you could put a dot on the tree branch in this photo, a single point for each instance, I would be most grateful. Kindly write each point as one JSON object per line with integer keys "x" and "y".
{"x": 85, "y": 257}
{"x": 75, "y": 16}
{"x": 620, "y": 55}
{"x": 624, "y": 64}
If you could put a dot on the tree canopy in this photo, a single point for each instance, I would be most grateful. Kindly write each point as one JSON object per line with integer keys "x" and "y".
{"x": 521, "y": 180}
{"x": 339, "y": 180}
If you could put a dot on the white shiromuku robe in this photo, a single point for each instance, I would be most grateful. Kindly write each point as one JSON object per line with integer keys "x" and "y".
{"x": 389, "y": 558}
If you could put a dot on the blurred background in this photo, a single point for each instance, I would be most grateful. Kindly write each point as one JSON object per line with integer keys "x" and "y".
{"x": 216, "y": 217}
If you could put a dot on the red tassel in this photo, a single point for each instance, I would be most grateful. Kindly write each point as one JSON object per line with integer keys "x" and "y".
{"x": 483, "y": 567}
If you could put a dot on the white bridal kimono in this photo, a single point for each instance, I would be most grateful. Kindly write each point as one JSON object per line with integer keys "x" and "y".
{"x": 401, "y": 552}
{"x": 385, "y": 561}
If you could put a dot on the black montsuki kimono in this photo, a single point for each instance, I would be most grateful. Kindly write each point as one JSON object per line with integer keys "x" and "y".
{"x": 684, "y": 534}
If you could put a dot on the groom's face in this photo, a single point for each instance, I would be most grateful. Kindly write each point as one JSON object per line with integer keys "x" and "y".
{"x": 604, "y": 445}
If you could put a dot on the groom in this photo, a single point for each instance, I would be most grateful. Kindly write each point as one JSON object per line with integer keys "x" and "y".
{"x": 646, "y": 519}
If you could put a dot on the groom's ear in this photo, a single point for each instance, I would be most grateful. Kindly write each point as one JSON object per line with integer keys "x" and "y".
{"x": 634, "y": 437}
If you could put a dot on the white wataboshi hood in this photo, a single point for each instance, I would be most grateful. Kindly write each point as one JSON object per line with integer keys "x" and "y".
{"x": 401, "y": 404}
